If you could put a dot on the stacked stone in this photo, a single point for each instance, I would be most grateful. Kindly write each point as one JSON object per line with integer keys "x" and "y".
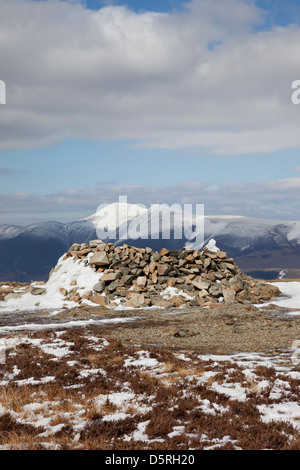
{"x": 138, "y": 277}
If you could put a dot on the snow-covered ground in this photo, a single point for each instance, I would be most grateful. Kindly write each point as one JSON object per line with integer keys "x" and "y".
{"x": 290, "y": 296}
{"x": 66, "y": 271}
{"x": 129, "y": 394}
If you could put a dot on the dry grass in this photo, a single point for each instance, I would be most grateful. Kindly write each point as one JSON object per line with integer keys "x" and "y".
{"x": 169, "y": 396}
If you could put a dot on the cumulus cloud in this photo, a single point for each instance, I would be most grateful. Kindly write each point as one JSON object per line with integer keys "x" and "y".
{"x": 271, "y": 200}
{"x": 199, "y": 78}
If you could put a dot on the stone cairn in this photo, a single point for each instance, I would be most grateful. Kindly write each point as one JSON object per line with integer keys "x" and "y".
{"x": 138, "y": 276}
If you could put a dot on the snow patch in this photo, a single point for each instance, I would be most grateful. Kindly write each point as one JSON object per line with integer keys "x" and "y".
{"x": 212, "y": 246}
{"x": 66, "y": 271}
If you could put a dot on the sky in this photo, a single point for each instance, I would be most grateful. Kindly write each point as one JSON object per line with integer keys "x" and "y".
{"x": 162, "y": 101}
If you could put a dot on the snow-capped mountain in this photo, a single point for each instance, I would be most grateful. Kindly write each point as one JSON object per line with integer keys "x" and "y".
{"x": 28, "y": 253}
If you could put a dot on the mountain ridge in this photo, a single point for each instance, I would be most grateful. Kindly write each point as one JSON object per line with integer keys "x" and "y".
{"x": 28, "y": 253}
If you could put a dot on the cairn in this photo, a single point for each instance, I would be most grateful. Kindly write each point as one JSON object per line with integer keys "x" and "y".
{"x": 141, "y": 277}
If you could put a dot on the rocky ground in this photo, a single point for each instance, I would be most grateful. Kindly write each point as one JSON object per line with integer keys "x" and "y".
{"x": 199, "y": 367}
{"x": 214, "y": 329}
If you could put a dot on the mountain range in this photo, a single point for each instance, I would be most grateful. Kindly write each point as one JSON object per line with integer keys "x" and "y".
{"x": 266, "y": 248}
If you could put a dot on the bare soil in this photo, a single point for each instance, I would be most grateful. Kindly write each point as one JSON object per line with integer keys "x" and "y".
{"x": 217, "y": 330}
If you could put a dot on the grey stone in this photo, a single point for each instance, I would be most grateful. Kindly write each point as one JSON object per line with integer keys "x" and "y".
{"x": 111, "y": 276}
{"x": 127, "y": 279}
{"x": 229, "y": 295}
{"x": 95, "y": 243}
{"x": 99, "y": 259}
{"x": 136, "y": 301}
{"x": 201, "y": 284}
{"x": 38, "y": 290}
{"x": 99, "y": 287}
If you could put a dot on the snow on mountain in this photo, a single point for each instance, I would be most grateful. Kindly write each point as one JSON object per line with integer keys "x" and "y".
{"x": 160, "y": 223}
{"x": 9, "y": 231}
{"x": 114, "y": 215}
{"x": 294, "y": 233}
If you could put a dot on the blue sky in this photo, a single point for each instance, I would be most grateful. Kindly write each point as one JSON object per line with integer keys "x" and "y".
{"x": 278, "y": 12}
{"x": 149, "y": 155}
{"x": 49, "y": 169}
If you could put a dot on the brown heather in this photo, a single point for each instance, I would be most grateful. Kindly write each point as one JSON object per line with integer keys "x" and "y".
{"x": 171, "y": 396}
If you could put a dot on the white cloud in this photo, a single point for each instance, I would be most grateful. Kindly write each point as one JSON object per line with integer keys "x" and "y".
{"x": 270, "y": 200}
{"x": 154, "y": 78}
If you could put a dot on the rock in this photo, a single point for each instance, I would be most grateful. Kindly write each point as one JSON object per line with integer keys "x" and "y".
{"x": 230, "y": 266}
{"x": 96, "y": 243}
{"x": 154, "y": 277}
{"x": 243, "y": 297}
{"x": 111, "y": 276}
{"x": 83, "y": 252}
{"x": 141, "y": 281}
{"x": 136, "y": 272}
{"x": 99, "y": 300}
{"x": 203, "y": 293}
{"x": 99, "y": 259}
{"x": 63, "y": 291}
{"x": 209, "y": 276}
{"x": 182, "y": 262}
{"x": 201, "y": 284}
{"x": 216, "y": 290}
{"x": 75, "y": 298}
{"x": 196, "y": 254}
{"x": 74, "y": 247}
{"x": 114, "y": 285}
{"x": 121, "y": 292}
{"x": 6, "y": 290}
{"x": 87, "y": 295}
{"x": 136, "y": 301}
{"x": 211, "y": 255}
{"x": 177, "y": 300}
{"x": 236, "y": 283}
{"x": 265, "y": 292}
{"x": 155, "y": 257}
{"x": 152, "y": 267}
{"x": 99, "y": 287}
{"x": 146, "y": 270}
{"x": 127, "y": 279}
{"x": 158, "y": 301}
{"x": 163, "y": 269}
{"x": 229, "y": 295}
{"x": 164, "y": 252}
{"x": 38, "y": 290}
